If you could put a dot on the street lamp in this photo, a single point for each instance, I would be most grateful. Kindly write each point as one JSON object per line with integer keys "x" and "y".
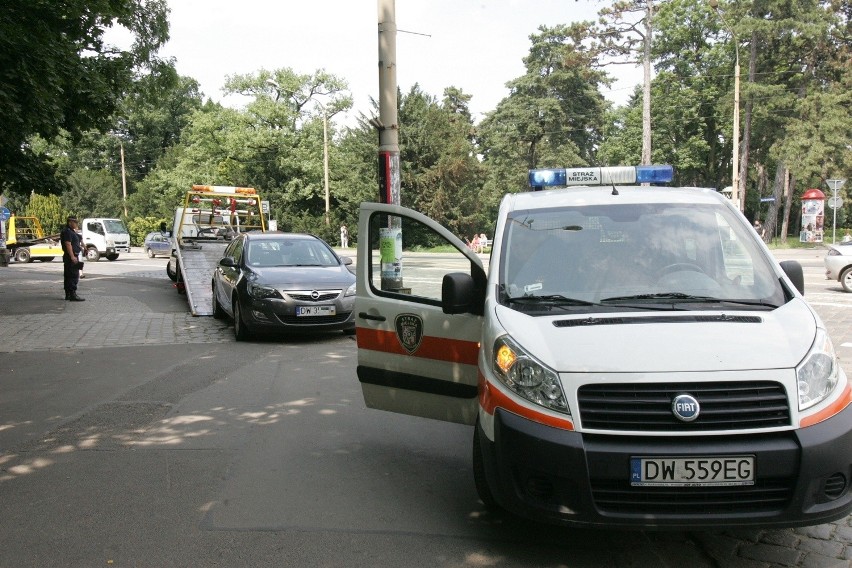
{"x": 735, "y": 166}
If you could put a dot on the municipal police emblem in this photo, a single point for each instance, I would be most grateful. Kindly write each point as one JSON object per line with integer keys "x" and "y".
{"x": 409, "y": 331}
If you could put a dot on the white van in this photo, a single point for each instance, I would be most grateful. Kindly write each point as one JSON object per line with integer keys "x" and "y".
{"x": 632, "y": 357}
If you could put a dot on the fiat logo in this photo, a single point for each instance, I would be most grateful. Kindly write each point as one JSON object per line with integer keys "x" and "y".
{"x": 685, "y": 407}
{"x": 315, "y": 295}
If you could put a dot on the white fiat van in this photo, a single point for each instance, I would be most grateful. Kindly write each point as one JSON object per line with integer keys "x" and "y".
{"x": 633, "y": 356}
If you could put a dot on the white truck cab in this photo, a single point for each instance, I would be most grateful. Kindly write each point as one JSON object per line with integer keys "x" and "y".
{"x": 105, "y": 238}
{"x": 633, "y": 356}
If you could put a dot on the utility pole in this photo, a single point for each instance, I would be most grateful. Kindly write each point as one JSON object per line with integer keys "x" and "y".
{"x": 123, "y": 179}
{"x": 325, "y": 161}
{"x": 390, "y": 238}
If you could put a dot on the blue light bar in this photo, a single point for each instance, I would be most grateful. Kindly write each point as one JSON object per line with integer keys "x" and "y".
{"x": 654, "y": 174}
{"x": 561, "y": 177}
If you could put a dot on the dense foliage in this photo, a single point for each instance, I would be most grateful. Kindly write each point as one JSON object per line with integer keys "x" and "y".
{"x": 71, "y": 105}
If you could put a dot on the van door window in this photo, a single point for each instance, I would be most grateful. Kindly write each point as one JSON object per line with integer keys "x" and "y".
{"x": 409, "y": 259}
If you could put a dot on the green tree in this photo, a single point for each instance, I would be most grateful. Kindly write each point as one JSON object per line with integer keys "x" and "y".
{"x": 57, "y": 73}
{"x": 49, "y": 212}
{"x": 93, "y": 193}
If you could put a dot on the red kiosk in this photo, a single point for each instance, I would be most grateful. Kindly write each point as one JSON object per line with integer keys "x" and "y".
{"x": 813, "y": 216}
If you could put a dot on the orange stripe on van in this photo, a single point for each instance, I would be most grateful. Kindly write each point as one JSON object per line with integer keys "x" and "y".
{"x": 438, "y": 348}
{"x": 829, "y": 411}
{"x": 490, "y": 399}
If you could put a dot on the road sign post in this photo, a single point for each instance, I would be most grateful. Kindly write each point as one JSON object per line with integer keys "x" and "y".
{"x": 834, "y": 202}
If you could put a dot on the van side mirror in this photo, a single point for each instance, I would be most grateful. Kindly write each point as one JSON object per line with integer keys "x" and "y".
{"x": 793, "y": 270}
{"x": 457, "y": 293}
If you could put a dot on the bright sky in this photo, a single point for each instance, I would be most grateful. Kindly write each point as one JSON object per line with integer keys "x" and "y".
{"x": 476, "y": 45}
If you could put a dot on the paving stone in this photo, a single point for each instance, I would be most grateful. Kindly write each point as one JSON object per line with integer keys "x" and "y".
{"x": 719, "y": 547}
{"x": 818, "y": 531}
{"x": 824, "y": 547}
{"x": 782, "y": 538}
{"x": 751, "y": 535}
{"x": 771, "y": 554}
{"x": 844, "y": 534}
{"x": 814, "y": 560}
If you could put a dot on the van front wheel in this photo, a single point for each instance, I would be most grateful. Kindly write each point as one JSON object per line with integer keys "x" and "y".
{"x": 92, "y": 254}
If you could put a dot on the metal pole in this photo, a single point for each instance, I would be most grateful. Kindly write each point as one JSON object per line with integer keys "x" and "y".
{"x": 325, "y": 161}
{"x": 735, "y": 166}
{"x": 388, "y": 123}
{"x": 123, "y": 179}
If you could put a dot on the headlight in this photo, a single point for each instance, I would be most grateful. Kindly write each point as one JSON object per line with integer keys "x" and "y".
{"x": 350, "y": 291}
{"x": 259, "y": 292}
{"x": 110, "y": 243}
{"x": 817, "y": 373}
{"x": 527, "y": 377}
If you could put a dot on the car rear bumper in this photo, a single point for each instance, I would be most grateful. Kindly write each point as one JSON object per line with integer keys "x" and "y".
{"x": 547, "y": 474}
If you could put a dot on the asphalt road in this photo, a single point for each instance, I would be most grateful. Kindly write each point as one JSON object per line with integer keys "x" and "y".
{"x": 132, "y": 434}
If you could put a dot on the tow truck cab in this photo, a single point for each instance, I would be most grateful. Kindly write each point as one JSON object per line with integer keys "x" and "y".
{"x": 633, "y": 356}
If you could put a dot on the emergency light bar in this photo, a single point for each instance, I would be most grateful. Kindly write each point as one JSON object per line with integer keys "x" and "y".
{"x": 228, "y": 189}
{"x": 560, "y": 177}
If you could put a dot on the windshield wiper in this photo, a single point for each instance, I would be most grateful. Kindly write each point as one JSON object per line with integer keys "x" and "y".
{"x": 680, "y": 296}
{"x": 662, "y": 296}
{"x": 550, "y": 300}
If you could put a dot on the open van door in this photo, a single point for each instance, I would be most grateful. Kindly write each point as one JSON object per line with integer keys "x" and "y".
{"x": 413, "y": 357}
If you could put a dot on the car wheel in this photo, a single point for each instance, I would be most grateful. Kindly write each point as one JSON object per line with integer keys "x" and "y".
{"x": 150, "y": 252}
{"x": 846, "y": 279}
{"x": 241, "y": 331}
{"x": 218, "y": 312}
{"x": 46, "y": 259}
{"x": 111, "y": 257}
{"x": 479, "y": 478}
{"x": 23, "y": 255}
{"x": 92, "y": 254}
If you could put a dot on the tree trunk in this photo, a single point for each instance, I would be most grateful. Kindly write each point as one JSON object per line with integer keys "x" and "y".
{"x": 788, "y": 206}
{"x": 777, "y": 190}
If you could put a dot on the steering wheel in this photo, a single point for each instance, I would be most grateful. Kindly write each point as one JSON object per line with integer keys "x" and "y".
{"x": 681, "y": 267}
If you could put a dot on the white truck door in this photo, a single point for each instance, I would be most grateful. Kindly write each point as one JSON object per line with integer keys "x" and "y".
{"x": 412, "y": 357}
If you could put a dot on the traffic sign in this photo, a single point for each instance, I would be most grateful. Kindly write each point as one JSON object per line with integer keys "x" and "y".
{"x": 835, "y": 202}
{"x": 767, "y": 199}
{"x": 4, "y": 214}
{"x": 264, "y": 207}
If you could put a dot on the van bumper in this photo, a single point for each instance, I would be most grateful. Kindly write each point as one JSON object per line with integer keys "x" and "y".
{"x": 565, "y": 477}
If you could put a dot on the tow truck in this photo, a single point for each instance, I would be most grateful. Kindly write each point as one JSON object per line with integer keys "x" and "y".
{"x": 26, "y": 240}
{"x": 633, "y": 356}
{"x": 210, "y": 217}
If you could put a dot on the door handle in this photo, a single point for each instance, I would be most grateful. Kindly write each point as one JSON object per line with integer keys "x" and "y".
{"x": 366, "y": 316}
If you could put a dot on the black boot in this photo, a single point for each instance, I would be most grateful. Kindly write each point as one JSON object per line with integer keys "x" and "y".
{"x": 67, "y": 295}
{"x": 75, "y": 298}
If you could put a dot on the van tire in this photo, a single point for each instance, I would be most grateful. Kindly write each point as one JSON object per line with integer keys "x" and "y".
{"x": 479, "y": 477}
{"x": 112, "y": 257}
{"x": 92, "y": 254}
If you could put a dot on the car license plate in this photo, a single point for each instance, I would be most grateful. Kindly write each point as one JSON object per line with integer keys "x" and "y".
{"x": 309, "y": 311}
{"x": 692, "y": 471}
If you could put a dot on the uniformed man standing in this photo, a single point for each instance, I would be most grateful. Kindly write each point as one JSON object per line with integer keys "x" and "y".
{"x": 71, "y": 249}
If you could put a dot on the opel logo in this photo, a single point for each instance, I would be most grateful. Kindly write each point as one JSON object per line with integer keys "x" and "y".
{"x": 315, "y": 295}
{"x": 685, "y": 407}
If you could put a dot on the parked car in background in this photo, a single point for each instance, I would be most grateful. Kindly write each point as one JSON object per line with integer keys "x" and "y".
{"x": 284, "y": 282}
{"x": 157, "y": 243}
{"x": 838, "y": 264}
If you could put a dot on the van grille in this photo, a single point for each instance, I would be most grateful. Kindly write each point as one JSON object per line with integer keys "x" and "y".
{"x": 648, "y": 406}
{"x": 620, "y": 497}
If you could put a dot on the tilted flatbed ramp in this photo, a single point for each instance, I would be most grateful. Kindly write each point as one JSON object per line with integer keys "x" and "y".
{"x": 210, "y": 217}
{"x": 196, "y": 262}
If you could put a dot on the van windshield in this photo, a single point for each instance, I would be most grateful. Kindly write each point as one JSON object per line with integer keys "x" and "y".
{"x": 115, "y": 226}
{"x": 643, "y": 256}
